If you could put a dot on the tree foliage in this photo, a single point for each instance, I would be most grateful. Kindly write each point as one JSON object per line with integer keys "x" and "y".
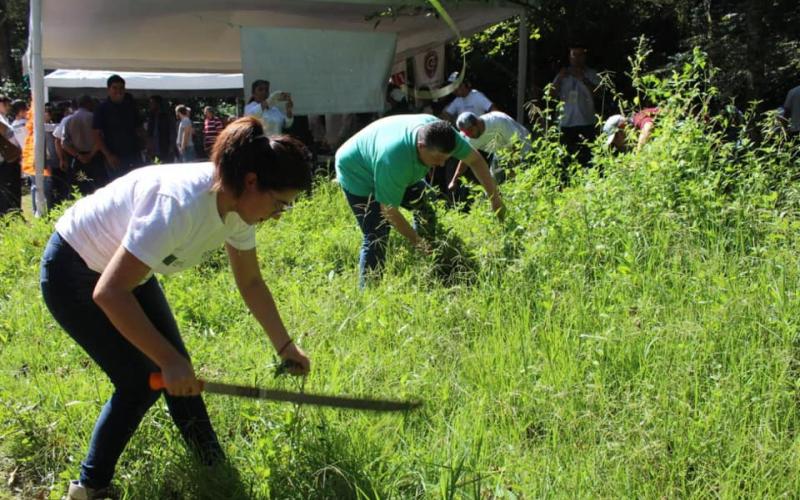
{"x": 754, "y": 44}
{"x": 13, "y": 41}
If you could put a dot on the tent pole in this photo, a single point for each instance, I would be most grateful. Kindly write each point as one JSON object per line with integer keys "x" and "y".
{"x": 37, "y": 88}
{"x": 522, "y": 67}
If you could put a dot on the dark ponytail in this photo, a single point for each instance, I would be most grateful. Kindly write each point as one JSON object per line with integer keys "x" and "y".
{"x": 280, "y": 162}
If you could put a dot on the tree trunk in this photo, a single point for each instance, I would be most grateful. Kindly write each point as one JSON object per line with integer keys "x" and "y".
{"x": 755, "y": 25}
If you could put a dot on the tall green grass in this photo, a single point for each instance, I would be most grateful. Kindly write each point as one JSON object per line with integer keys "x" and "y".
{"x": 632, "y": 335}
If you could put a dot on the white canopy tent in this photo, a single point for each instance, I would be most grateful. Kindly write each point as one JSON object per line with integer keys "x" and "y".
{"x": 205, "y": 84}
{"x": 205, "y": 35}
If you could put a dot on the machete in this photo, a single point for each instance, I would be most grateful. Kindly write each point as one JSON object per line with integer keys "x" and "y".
{"x": 157, "y": 383}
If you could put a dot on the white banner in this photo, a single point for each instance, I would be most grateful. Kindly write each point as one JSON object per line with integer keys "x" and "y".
{"x": 429, "y": 67}
{"x": 325, "y": 71}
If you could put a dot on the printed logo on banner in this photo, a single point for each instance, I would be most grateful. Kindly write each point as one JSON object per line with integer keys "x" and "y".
{"x": 429, "y": 67}
{"x": 431, "y": 63}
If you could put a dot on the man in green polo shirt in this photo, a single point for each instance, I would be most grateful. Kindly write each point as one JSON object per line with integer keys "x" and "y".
{"x": 382, "y": 168}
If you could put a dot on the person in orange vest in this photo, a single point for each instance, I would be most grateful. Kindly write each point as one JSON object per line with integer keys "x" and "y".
{"x": 51, "y": 160}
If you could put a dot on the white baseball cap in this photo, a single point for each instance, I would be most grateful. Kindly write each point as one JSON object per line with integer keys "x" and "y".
{"x": 613, "y": 125}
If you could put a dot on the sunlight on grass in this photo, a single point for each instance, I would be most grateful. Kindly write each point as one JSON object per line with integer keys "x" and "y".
{"x": 633, "y": 335}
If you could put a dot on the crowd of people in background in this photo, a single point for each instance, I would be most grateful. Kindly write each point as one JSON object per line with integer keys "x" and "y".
{"x": 89, "y": 143}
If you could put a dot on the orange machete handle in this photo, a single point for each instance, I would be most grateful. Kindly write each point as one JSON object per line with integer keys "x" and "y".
{"x": 156, "y": 381}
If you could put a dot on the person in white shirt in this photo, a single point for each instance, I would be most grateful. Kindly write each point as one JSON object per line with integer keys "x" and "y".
{"x": 266, "y": 107}
{"x": 87, "y": 164}
{"x": 490, "y": 133}
{"x": 576, "y": 86}
{"x": 19, "y": 110}
{"x": 62, "y": 177}
{"x": 97, "y": 279}
{"x": 791, "y": 109}
{"x": 185, "y": 138}
{"x": 467, "y": 100}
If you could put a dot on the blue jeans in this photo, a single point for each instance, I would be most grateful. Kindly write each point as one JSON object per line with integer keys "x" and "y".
{"x": 67, "y": 285}
{"x": 126, "y": 164}
{"x": 188, "y": 155}
{"x": 10, "y": 187}
{"x": 48, "y": 192}
{"x": 376, "y": 229}
{"x": 91, "y": 176}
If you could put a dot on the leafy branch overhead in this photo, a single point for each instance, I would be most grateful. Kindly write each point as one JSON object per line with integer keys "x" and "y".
{"x": 393, "y": 13}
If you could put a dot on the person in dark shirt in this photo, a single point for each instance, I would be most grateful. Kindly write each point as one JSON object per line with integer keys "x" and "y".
{"x": 118, "y": 129}
{"x": 10, "y": 169}
{"x": 160, "y": 132}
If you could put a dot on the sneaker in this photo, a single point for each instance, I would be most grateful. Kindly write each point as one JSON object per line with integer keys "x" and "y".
{"x": 79, "y": 492}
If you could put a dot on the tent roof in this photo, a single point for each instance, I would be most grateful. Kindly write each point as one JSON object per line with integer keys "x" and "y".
{"x": 203, "y": 35}
{"x": 76, "y": 78}
{"x": 73, "y": 83}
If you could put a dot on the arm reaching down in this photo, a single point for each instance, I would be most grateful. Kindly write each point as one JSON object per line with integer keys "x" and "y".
{"x": 480, "y": 168}
{"x": 644, "y": 135}
{"x": 258, "y": 298}
{"x": 400, "y": 223}
{"x": 114, "y": 295}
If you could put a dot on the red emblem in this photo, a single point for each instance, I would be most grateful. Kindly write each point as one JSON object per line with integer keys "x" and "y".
{"x": 398, "y": 78}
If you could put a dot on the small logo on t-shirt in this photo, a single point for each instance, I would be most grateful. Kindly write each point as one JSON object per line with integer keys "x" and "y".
{"x": 169, "y": 259}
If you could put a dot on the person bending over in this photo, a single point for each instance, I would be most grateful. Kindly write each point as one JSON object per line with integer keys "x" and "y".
{"x": 382, "y": 168}
{"x": 97, "y": 279}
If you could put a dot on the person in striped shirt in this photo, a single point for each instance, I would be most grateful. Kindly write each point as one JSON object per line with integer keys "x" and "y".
{"x": 212, "y": 126}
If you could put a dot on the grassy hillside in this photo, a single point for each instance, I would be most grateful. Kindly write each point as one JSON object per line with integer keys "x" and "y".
{"x": 634, "y": 335}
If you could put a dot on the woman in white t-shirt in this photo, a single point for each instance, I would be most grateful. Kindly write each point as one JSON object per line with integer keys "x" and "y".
{"x": 97, "y": 279}
{"x": 184, "y": 140}
{"x": 266, "y": 107}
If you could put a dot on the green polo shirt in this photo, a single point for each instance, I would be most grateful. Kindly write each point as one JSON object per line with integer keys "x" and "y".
{"x": 381, "y": 160}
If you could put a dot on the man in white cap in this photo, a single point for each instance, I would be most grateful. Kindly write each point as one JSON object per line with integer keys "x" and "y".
{"x": 467, "y": 99}
{"x": 490, "y": 133}
{"x": 614, "y": 128}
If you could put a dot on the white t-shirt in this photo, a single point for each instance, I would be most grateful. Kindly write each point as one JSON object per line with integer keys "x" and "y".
{"x": 475, "y": 102}
{"x": 20, "y": 131}
{"x": 499, "y": 133}
{"x": 184, "y": 125}
{"x": 578, "y": 99}
{"x": 58, "y": 132}
{"x": 165, "y": 215}
{"x": 273, "y": 118}
{"x": 792, "y": 106}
